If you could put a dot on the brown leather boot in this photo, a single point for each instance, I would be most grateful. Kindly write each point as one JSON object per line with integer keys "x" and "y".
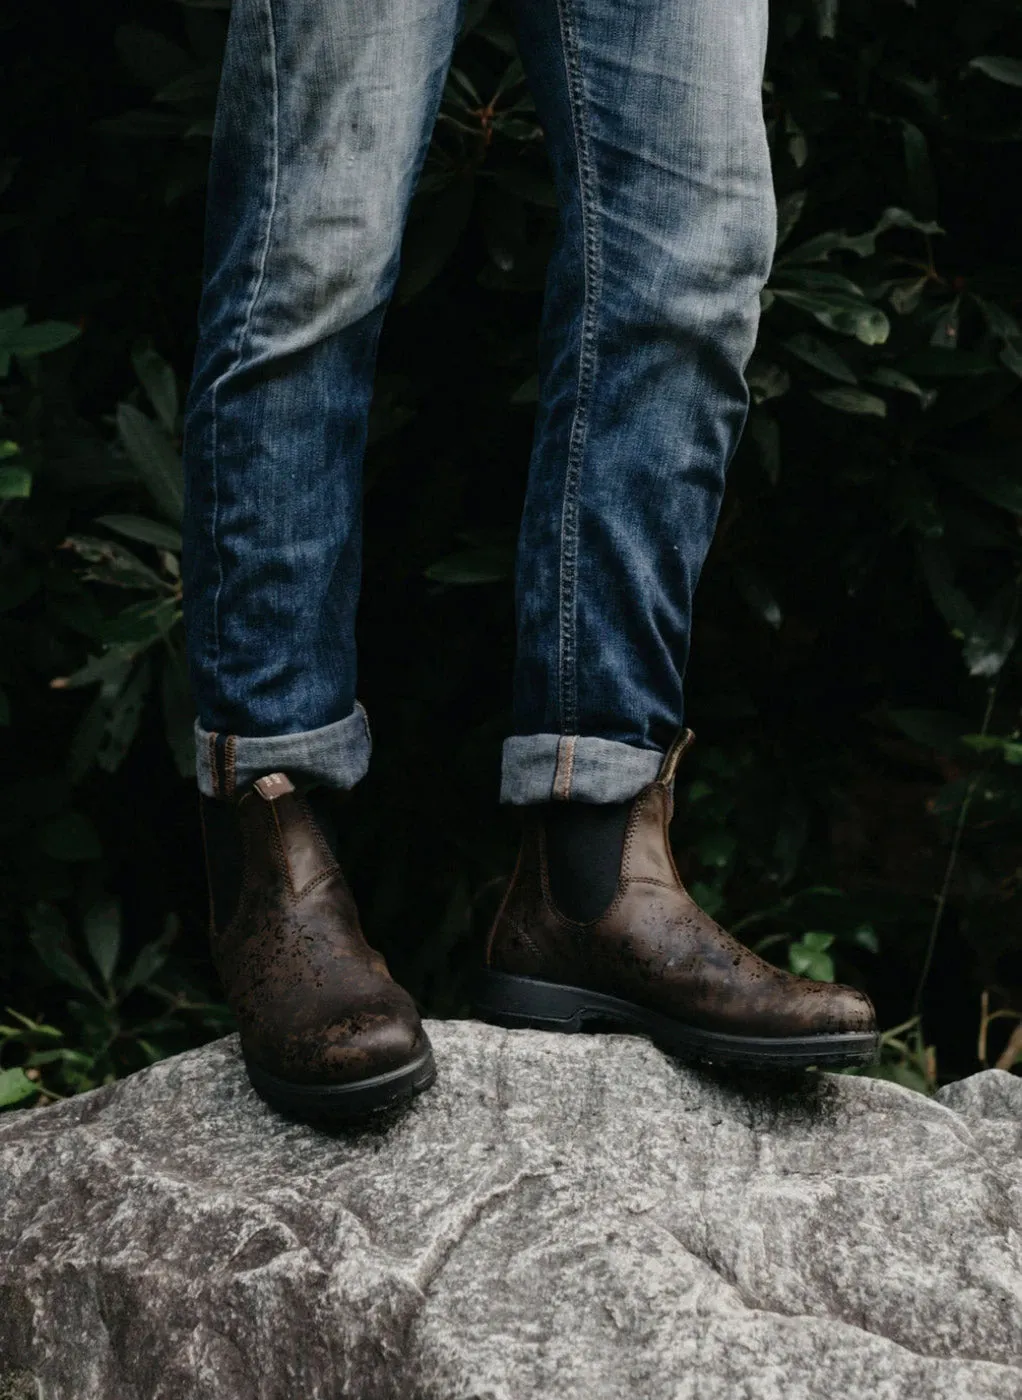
{"x": 325, "y": 1031}
{"x": 654, "y": 962}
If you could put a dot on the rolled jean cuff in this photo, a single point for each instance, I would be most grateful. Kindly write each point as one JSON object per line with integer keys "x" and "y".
{"x": 337, "y": 754}
{"x": 574, "y": 768}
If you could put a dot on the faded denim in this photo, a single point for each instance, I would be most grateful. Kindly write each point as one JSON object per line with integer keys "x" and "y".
{"x": 652, "y": 112}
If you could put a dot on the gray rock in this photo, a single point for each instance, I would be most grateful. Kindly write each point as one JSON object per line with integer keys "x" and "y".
{"x": 568, "y": 1217}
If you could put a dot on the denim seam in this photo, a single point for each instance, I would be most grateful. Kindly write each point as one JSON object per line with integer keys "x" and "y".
{"x": 568, "y": 601}
{"x": 230, "y": 770}
{"x": 564, "y": 766}
{"x": 246, "y": 325}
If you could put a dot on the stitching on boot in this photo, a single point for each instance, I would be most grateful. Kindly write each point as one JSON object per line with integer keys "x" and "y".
{"x": 322, "y": 845}
{"x": 317, "y": 880}
{"x": 512, "y": 884}
{"x": 277, "y": 837}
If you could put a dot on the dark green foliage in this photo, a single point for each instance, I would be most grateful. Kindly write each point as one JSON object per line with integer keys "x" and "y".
{"x": 854, "y": 806}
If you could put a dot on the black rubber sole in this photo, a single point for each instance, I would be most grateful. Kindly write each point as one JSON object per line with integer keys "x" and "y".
{"x": 516, "y": 1002}
{"x": 343, "y": 1103}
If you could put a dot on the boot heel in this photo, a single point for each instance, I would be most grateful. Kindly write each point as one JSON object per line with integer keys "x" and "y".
{"x": 506, "y": 1000}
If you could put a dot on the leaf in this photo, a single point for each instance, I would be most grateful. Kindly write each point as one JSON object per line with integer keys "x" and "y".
{"x": 114, "y": 564}
{"x": 137, "y": 527}
{"x": 70, "y": 837}
{"x": 820, "y": 247}
{"x": 998, "y": 67}
{"x": 157, "y": 379}
{"x": 841, "y": 313}
{"x": 102, "y": 927}
{"x": 865, "y": 936}
{"x": 797, "y": 146}
{"x": 110, "y": 670}
{"x": 998, "y": 318}
{"x": 950, "y": 601}
{"x": 1000, "y": 485}
{"x": 145, "y": 967}
{"x": 141, "y": 624}
{"x": 826, "y": 18}
{"x": 527, "y": 392}
{"x": 940, "y": 730}
{"x": 124, "y": 713}
{"x": 946, "y": 327}
{"x": 157, "y": 462}
{"x": 30, "y": 341}
{"x": 852, "y": 401}
{"x": 789, "y": 211}
{"x": 49, "y": 938}
{"x": 809, "y": 957}
{"x": 15, "y": 1087}
{"x": 1009, "y": 749}
{"x": 894, "y": 379}
{"x": 1011, "y": 358}
{"x": 992, "y": 638}
{"x": 906, "y": 295}
{"x": 767, "y": 381}
{"x": 819, "y": 279}
{"x": 86, "y": 738}
{"x": 820, "y": 355}
{"x": 15, "y": 483}
{"x": 488, "y": 564}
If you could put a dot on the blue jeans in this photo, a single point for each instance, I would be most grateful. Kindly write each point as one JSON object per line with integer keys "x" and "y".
{"x": 653, "y": 120}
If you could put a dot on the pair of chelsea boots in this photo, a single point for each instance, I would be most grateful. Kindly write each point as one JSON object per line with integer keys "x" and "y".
{"x": 326, "y": 1033}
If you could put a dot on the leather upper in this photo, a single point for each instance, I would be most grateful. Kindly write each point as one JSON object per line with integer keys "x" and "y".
{"x": 313, "y": 1001}
{"x": 654, "y": 946}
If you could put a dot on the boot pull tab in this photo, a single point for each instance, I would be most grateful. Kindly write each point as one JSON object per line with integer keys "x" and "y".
{"x": 273, "y": 785}
{"x": 680, "y": 745}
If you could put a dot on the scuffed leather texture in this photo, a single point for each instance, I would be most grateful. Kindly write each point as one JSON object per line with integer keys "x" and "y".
{"x": 654, "y": 946}
{"x": 314, "y": 1003}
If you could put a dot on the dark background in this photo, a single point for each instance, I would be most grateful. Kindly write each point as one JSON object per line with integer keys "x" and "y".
{"x": 853, "y": 805}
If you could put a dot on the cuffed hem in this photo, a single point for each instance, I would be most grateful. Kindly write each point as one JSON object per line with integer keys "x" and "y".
{"x": 337, "y": 754}
{"x": 574, "y": 768}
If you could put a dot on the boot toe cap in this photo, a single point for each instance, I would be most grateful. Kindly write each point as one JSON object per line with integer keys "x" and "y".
{"x": 836, "y": 1009}
{"x": 347, "y": 1047}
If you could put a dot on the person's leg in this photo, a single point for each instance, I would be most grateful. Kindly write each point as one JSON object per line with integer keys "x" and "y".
{"x": 324, "y": 116}
{"x": 653, "y": 116}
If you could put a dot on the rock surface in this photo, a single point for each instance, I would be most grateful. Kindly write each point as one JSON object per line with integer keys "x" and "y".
{"x": 569, "y": 1217}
